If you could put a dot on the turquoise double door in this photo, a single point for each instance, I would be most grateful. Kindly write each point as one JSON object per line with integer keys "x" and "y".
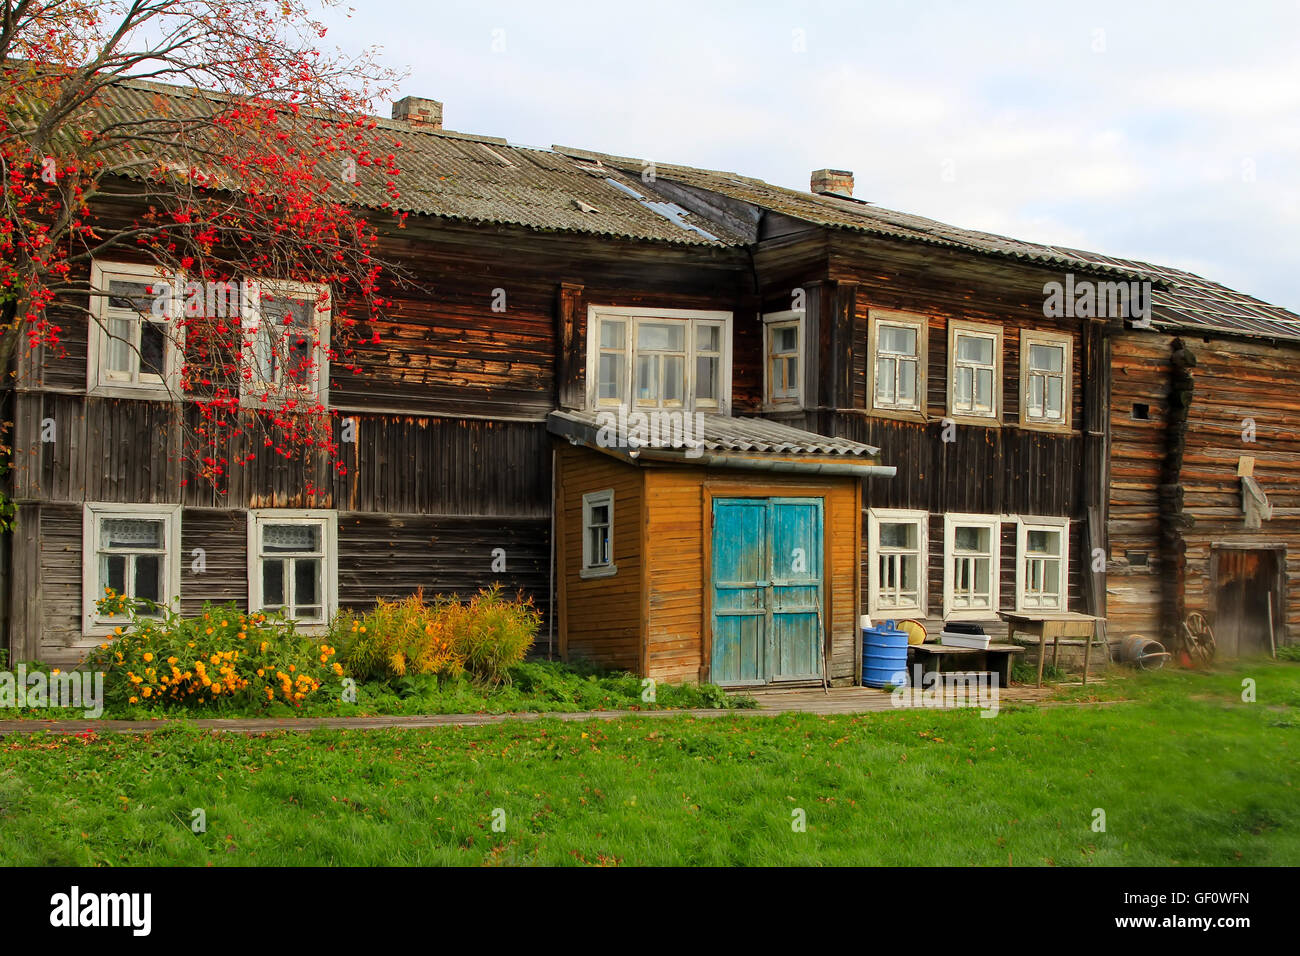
{"x": 767, "y": 610}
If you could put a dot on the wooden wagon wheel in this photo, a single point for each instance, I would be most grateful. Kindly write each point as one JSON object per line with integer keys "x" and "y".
{"x": 1199, "y": 637}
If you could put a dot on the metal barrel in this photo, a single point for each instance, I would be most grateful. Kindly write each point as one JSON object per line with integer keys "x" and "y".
{"x": 1146, "y": 653}
{"x": 884, "y": 656}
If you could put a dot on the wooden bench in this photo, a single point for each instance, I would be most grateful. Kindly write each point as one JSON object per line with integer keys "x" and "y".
{"x": 996, "y": 658}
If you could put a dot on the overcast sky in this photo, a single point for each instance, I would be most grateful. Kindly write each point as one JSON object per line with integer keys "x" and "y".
{"x": 1168, "y": 132}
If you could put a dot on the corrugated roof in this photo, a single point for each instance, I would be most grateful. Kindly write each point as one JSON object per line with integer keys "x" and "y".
{"x": 1181, "y": 300}
{"x": 723, "y": 434}
{"x": 842, "y": 212}
{"x": 469, "y": 178}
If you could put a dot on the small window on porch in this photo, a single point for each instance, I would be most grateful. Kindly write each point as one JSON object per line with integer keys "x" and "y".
{"x": 598, "y": 534}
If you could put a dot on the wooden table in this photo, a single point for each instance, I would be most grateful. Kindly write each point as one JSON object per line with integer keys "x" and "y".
{"x": 1053, "y": 625}
{"x": 999, "y": 655}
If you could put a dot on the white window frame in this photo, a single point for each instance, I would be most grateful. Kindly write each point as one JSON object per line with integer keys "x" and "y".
{"x": 1023, "y": 526}
{"x": 590, "y": 568}
{"x": 91, "y": 591}
{"x": 257, "y": 393}
{"x": 99, "y": 379}
{"x": 1061, "y": 340}
{"x": 951, "y": 522}
{"x": 921, "y": 520}
{"x": 258, "y": 518}
{"x": 920, "y": 324}
{"x": 632, "y": 316}
{"x": 773, "y": 321}
{"x": 957, "y": 329}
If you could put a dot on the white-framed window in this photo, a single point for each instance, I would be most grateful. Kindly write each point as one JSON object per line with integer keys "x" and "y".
{"x": 132, "y": 346}
{"x": 293, "y": 563}
{"x": 897, "y": 343}
{"x": 1042, "y": 564}
{"x": 598, "y": 534}
{"x": 1045, "y": 375}
{"x": 133, "y": 550}
{"x": 974, "y": 371}
{"x": 783, "y": 366}
{"x": 285, "y": 352}
{"x": 898, "y": 542}
{"x": 972, "y": 552}
{"x": 659, "y": 359}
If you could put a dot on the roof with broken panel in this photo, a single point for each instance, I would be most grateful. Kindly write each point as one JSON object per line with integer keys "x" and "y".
{"x": 1181, "y": 300}
{"x": 467, "y": 177}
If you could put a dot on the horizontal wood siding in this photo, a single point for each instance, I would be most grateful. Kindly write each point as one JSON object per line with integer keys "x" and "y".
{"x": 602, "y": 617}
{"x": 1235, "y": 381}
{"x": 1140, "y": 374}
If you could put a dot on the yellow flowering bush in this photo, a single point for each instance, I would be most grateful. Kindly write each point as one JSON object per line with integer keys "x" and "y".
{"x": 224, "y": 658}
{"x": 484, "y": 636}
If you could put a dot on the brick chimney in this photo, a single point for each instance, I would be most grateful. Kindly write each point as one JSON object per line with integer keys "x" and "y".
{"x": 418, "y": 112}
{"x": 837, "y": 181}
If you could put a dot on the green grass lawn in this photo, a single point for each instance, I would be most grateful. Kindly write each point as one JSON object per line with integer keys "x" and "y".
{"x": 1186, "y": 773}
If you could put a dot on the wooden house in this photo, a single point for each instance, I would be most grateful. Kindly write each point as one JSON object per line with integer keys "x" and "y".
{"x": 866, "y": 413}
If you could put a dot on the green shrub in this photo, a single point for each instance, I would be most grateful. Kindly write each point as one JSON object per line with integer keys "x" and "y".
{"x": 223, "y": 659}
{"x": 483, "y": 637}
{"x": 1290, "y": 652}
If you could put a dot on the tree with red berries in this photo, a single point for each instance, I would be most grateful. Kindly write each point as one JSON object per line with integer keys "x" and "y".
{"x": 215, "y": 144}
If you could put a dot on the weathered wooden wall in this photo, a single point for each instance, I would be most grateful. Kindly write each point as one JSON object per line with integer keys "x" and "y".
{"x": 451, "y": 458}
{"x": 1234, "y": 380}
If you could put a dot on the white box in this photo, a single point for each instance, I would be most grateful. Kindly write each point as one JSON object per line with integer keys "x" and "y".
{"x": 978, "y": 641}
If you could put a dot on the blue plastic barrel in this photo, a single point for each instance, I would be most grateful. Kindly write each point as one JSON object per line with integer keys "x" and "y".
{"x": 884, "y": 655}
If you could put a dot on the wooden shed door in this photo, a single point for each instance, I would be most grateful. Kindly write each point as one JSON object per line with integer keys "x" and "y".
{"x": 767, "y": 589}
{"x": 1246, "y": 582}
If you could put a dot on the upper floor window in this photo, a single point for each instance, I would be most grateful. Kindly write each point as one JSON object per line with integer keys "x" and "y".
{"x": 974, "y": 371}
{"x": 286, "y": 342}
{"x": 783, "y": 347}
{"x": 897, "y": 345}
{"x": 972, "y": 548}
{"x": 133, "y": 551}
{"x": 896, "y": 577}
{"x": 1042, "y": 564}
{"x": 659, "y": 359}
{"x": 1045, "y": 373}
{"x": 293, "y": 563}
{"x": 131, "y": 349}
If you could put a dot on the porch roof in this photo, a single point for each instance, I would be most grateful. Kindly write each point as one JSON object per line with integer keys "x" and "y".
{"x": 720, "y": 441}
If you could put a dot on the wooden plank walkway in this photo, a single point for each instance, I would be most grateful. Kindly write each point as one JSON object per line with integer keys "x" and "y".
{"x": 840, "y": 700}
